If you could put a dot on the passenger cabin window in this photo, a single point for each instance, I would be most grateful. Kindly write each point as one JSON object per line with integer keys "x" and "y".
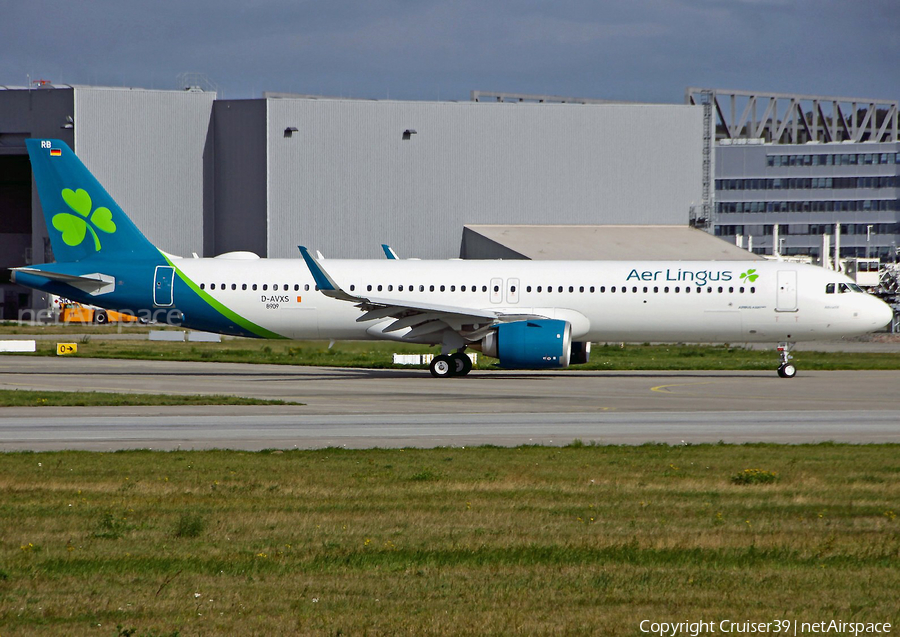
{"x": 202, "y": 286}
{"x": 254, "y": 286}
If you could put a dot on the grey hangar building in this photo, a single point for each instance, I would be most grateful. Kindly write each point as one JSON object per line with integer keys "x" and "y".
{"x": 200, "y": 175}
{"x": 497, "y": 176}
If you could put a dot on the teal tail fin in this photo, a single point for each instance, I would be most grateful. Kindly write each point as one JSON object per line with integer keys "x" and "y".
{"x": 82, "y": 219}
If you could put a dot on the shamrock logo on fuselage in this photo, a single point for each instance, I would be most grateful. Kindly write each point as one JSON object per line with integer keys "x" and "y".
{"x": 74, "y": 228}
{"x": 750, "y": 275}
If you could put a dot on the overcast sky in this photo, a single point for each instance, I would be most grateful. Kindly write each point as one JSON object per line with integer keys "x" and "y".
{"x": 640, "y": 50}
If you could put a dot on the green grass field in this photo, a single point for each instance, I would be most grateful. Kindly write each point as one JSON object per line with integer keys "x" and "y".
{"x": 477, "y": 541}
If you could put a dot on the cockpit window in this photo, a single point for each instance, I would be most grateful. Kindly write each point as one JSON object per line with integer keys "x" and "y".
{"x": 844, "y": 288}
{"x": 855, "y": 287}
{"x": 829, "y": 288}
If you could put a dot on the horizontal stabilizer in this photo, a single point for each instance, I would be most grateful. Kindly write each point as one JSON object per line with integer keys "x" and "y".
{"x": 93, "y": 284}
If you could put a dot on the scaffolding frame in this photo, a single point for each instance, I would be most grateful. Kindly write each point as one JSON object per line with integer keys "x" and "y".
{"x": 790, "y": 118}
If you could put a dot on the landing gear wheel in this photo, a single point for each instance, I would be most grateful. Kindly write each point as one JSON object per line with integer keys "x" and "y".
{"x": 101, "y": 318}
{"x": 462, "y": 364}
{"x": 442, "y": 366}
{"x": 787, "y": 371}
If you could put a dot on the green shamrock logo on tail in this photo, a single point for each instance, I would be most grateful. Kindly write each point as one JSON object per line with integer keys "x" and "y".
{"x": 750, "y": 275}
{"x": 73, "y": 227}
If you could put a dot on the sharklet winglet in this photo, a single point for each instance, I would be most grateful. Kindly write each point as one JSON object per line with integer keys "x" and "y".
{"x": 325, "y": 283}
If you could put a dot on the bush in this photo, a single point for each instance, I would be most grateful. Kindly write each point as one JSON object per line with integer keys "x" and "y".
{"x": 189, "y": 525}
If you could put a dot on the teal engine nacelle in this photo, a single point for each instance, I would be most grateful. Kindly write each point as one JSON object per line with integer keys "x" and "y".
{"x": 530, "y": 344}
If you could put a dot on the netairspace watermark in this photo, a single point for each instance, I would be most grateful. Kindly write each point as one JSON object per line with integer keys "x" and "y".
{"x": 162, "y": 316}
{"x": 778, "y": 626}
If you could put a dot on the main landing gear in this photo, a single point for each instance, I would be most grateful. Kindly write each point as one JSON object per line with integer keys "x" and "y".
{"x": 444, "y": 366}
{"x": 786, "y": 369}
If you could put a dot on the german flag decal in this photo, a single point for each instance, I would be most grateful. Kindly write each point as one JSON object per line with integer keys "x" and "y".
{"x": 55, "y": 152}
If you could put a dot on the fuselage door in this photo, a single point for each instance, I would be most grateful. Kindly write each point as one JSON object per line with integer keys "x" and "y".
{"x": 786, "y": 296}
{"x": 512, "y": 290}
{"x": 496, "y": 290}
{"x": 162, "y": 285}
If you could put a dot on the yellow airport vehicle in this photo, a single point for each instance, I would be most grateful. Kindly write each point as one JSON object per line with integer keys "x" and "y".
{"x": 78, "y": 313}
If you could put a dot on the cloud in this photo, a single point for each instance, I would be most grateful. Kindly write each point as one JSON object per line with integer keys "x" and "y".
{"x": 643, "y": 50}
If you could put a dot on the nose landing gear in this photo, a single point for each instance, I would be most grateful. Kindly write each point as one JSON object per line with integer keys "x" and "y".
{"x": 786, "y": 369}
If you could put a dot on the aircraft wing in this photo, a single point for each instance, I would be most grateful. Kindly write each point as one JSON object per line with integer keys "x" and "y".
{"x": 421, "y": 318}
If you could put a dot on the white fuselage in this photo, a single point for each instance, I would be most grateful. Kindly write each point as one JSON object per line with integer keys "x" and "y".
{"x": 652, "y": 301}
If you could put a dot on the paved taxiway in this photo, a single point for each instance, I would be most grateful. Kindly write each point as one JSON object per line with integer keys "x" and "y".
{"x": 365, "y": 408}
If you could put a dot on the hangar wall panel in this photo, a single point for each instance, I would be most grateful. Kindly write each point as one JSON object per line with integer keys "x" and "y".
{"x": 240, "y": 182}
{"x": 151, "y": 150}
{"x": 348, "y": 181}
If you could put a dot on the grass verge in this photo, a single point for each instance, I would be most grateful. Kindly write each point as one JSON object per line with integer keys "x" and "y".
{"x": 27, "y": 398}
{"x": 532, "y": 540}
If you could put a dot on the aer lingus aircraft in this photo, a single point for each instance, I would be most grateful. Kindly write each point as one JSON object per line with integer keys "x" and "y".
{"x": 528, "y": 314}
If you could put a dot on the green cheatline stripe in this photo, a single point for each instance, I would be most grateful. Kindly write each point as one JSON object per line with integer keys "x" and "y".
{"x": 221, "y": 309}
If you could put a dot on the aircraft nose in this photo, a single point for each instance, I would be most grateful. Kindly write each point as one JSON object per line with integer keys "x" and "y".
{"x": 882, "y": 313}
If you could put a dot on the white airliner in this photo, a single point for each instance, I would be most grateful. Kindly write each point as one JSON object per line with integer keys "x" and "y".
{"x": 528, "y": 314}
